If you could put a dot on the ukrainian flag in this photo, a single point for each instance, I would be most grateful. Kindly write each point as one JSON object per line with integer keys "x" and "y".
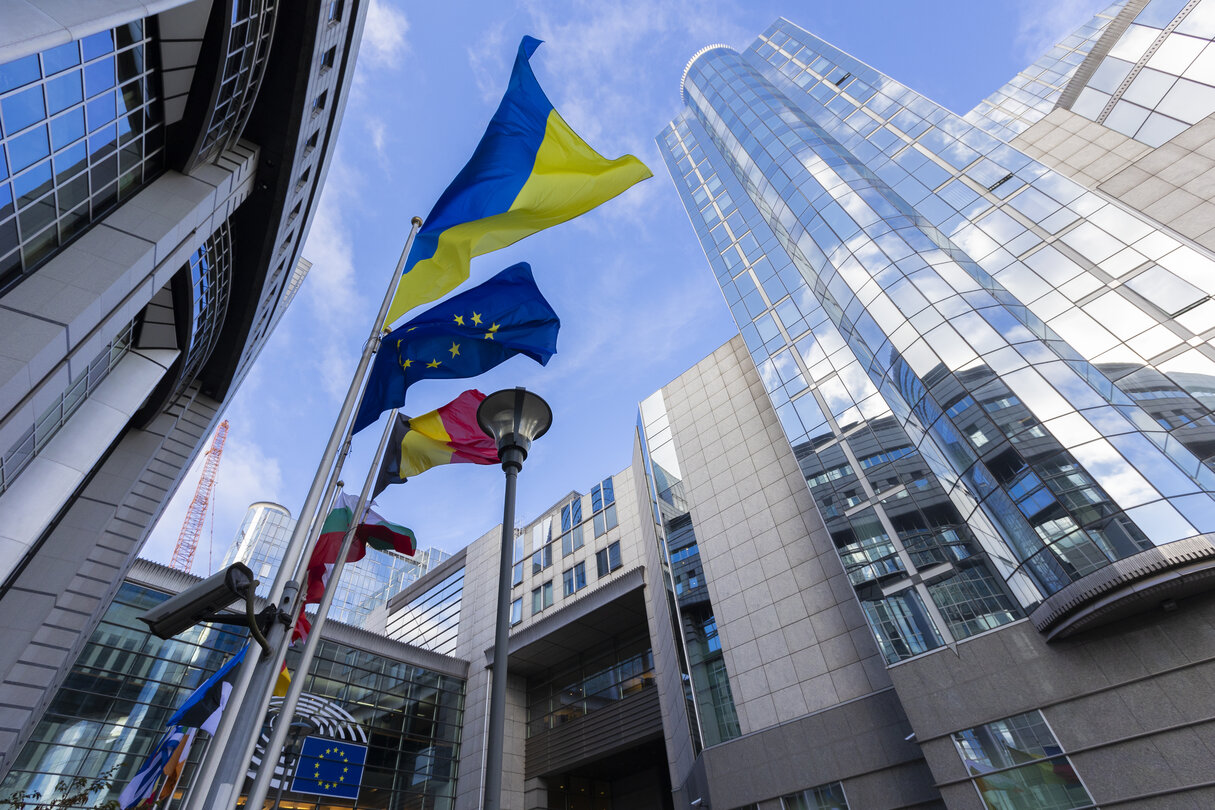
{"x": 529, "y": 171}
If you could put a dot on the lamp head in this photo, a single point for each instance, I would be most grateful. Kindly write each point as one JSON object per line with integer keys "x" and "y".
{"x": 514, "y": 418}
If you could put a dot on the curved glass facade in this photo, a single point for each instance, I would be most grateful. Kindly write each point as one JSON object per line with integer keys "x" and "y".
{"x": 81, "y": 128}
{"x": 963, "y": 347}
{"x": 244, "y": 61}
{"x": 209, "y": 272}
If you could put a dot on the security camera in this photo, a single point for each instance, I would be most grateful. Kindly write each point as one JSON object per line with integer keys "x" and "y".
{"x": 199, "y": 601}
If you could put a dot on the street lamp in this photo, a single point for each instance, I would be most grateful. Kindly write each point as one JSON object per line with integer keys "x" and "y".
{"x": 513, "y": 418}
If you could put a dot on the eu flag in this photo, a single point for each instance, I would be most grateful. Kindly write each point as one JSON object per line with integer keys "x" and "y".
{"x": 329, "y": 768}
{"x": 466, "y": 335}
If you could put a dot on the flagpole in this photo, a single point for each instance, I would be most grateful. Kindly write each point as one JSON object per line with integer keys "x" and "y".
{"x": 286, "y": 713}
{"x": 221, "y": 773}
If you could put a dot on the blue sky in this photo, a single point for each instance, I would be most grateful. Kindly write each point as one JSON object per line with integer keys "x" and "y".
{"x": 637, "y": 300}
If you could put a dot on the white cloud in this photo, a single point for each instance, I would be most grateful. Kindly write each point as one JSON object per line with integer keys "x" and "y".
{"x": 378, "y": 131}
{"x": 1045, "y": 23}
{"x": 384, "y": 40}
{"x": 490, "y": 60}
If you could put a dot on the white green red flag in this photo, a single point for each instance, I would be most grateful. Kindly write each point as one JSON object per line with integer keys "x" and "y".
{"x": 373, "y": 530}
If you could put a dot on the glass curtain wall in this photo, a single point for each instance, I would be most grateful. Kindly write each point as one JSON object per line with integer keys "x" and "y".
{"x": 708, "y": 697}
{"x": 126, "y": 683}
{"x": 81, "y": 129}
{"x": 955, "y": 422}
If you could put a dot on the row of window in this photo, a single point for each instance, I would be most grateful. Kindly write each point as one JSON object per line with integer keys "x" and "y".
{"x": 603, "y": 507}
{"x": 573, "y": 580}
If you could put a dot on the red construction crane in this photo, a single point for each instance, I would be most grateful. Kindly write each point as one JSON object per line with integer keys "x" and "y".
{"x": 187, "y": 541}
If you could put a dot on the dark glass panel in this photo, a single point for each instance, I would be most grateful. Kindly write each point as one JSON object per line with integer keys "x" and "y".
{"x": 70, "y": 162}
{"x": 73, "y": 222}
{"x": 73, "y": 193}
{"x": 33, "y": 184}
{"x": 132, "y": 96}
{"x": 39, "y": 247}
{"x": 130, "y": 33}
{"x": 36, "y": 215}
{"x": 130, "y": 63}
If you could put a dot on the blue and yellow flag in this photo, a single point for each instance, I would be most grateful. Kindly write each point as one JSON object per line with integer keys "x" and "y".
{"x": 529, "y": 171}
{"x": 464, "y": 336}
{"x": 329, "y": 768}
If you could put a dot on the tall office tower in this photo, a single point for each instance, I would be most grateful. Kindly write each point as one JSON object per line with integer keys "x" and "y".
{"x": 160, "y": 166}
{"x": 364, "y": 586}
{"x": 988, "y": 342}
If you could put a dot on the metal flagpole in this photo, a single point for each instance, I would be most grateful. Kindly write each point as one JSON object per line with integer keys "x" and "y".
{"x": 286, "y": 712}
{"x": 221, "y": 773}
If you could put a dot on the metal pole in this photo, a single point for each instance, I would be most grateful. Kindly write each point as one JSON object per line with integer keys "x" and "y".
{"x": 512, "y": 462}
{"x": 286, "y": 712}
{"x": 221, "y": 772}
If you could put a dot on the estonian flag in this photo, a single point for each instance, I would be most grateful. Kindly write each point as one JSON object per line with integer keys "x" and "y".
{"x": 143, "y": 783}
{"x": 204, "y": 707}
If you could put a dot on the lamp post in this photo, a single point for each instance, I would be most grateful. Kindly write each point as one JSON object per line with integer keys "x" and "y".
{"x": 513, "y": 418}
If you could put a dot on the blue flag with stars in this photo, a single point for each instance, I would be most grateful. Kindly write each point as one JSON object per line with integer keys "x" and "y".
{"x": 329, "y": 768}
{"x": 466, "y": 335}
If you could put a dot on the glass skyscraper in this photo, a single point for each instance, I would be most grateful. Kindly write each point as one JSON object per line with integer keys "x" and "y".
{"x": 997, "y": 381}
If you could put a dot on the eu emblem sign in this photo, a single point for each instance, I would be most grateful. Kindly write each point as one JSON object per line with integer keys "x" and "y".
{"x": 329, "y": 768}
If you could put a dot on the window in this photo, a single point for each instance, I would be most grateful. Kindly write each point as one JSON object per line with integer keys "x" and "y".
{"x": 335, "y": 10}
{"x": 318, "y": 103}
{"x": 542, "y": 597}
{"x": 824, "y": 797}
{"x": 516, "y": 611}
{"x": 603, "y": 504}
{"x": 574, "y": 579}
{"x": 542, "y": 559}
{"x": 607, "y": 560}
{"x": 295, "y": 212}
{"x": 571, "y": 541}
{"x": 1016, "y": 762}
{"x": 328, "y": 59}
{"x": 303, "y": 179}
{"x": 516, "y": 575}
{"x": 571, "y": 527}
{"x": 310, "y": 144}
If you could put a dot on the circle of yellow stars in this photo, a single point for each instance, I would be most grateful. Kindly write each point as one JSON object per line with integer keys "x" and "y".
{"x": 475, "y": 320}
{"x": 316, "y": 773}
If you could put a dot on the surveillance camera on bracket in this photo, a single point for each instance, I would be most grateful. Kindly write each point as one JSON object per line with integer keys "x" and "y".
{"x": 200, "y": 602}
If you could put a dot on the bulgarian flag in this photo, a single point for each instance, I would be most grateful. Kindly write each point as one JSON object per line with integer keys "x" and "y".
{"x": 373, "y": 531}
{"x": 447, "y": 435}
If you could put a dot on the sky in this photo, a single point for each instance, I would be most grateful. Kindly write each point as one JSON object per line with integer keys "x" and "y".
{"x": 638, "y": 303}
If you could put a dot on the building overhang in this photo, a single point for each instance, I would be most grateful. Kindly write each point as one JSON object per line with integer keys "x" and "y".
{"x": 1150, "y": 580}
{"x": 588, "y": 623}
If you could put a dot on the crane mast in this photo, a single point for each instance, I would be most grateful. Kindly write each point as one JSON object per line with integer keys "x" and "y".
{"x": 187, "y": 541}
